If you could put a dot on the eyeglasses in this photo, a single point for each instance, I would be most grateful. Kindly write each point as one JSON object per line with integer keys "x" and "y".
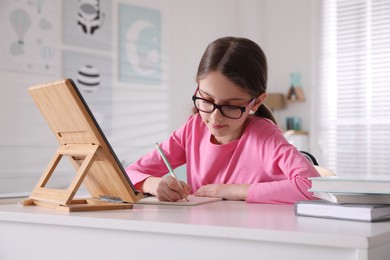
{"x": 229, "y": 111}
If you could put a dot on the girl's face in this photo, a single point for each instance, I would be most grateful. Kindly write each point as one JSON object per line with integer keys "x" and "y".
{"x": 218, "y": 89}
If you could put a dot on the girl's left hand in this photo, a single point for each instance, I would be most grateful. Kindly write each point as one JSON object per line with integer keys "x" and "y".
{"x": 224, "y": 191}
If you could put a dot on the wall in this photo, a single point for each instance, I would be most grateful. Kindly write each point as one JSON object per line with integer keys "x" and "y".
{"x": 289, "y": 34}
{"x": 289, "y": 47}
{"x": 282, "y": 28}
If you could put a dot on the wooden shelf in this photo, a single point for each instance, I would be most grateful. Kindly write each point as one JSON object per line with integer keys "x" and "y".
{"x": 297, "y": 92}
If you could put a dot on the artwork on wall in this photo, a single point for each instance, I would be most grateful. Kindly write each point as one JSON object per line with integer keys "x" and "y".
{"x": 93, "y": 76}
{"x": 87, "y": 23}
{"x": 139, "y": 45}
{"x": 29, "y": 41}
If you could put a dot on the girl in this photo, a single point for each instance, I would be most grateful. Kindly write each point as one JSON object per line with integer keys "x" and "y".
{"x": 232, "y": 146}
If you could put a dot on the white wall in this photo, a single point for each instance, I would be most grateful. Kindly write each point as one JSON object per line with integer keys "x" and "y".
{"x": 288, "y": 45}
{"x": 282, "y": 28}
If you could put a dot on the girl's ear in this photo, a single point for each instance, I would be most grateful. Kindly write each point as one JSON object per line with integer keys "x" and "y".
{"x": 258, "y": 101}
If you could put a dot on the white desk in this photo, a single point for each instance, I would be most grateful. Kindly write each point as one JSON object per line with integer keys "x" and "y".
{"x": 219, "y": 230}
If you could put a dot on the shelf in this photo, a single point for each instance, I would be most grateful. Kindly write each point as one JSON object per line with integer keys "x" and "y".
{"x": 297, "y": 92}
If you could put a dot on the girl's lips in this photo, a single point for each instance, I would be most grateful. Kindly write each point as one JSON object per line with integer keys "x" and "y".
{"x": 215, "y": 126}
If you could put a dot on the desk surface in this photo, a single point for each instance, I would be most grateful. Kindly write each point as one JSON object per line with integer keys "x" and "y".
{"x": 223, "y": 219}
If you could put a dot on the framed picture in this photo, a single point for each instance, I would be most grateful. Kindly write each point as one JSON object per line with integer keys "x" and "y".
{"x": 88, "y": 23}
{"x": 93, "y": 76}
{"x": 139, "y": 45}
{"x": 29, "y": 41}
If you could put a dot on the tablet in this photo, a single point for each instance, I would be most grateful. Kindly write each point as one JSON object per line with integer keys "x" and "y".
{"x": 81, "y": 140}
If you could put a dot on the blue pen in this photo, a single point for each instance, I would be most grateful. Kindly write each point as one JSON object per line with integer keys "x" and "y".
{"x": 169, "y": 167}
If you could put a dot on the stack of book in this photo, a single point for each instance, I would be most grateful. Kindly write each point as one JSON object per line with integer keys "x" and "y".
{"x": 360, "y": 198}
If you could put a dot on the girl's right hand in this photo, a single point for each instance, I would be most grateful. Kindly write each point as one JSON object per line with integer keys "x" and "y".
{"x": 167, "y": 188}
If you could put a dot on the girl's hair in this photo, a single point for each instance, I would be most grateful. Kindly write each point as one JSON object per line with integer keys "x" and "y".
{"x": 243, "y": 62}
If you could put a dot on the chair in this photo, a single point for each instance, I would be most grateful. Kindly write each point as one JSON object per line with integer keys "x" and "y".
{"x": 310, "y": 157}
{"x": 321, "y": 170}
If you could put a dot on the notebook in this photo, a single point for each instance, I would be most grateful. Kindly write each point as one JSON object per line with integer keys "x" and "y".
{"x": 193, "y": 200}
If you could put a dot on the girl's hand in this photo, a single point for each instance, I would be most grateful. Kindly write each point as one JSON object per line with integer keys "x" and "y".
{"x": 224, "y": 191}
{"x": 166, "y": 189}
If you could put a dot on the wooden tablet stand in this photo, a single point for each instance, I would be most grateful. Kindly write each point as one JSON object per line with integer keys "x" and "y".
{"x": 83, "y": 142}
{"x": 63, "y": 199}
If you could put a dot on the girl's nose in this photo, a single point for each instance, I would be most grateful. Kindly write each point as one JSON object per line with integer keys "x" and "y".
{"x": 216, "y": 115}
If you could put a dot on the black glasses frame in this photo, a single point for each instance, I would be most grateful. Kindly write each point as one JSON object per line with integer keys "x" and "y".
{"x": 219, "y": 107}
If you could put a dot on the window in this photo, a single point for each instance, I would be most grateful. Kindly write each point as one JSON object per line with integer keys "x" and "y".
{"x": 354, "y": 86}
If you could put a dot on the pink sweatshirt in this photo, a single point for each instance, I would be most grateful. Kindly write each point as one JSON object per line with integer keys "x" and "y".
{"x": 262, "y": 157}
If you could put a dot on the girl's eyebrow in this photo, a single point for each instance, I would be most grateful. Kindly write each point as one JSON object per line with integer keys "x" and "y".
{"x": 231, "y": 99}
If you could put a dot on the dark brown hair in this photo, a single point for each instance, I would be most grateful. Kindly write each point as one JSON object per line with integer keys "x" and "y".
{"x": 243, "y": 62}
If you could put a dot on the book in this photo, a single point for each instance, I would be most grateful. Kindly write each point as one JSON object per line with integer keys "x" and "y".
{"x": 356, "y": 212}
{"x": 351, "y": 184}
{"x": 192, "y": 201}
{"x": 357, "y": 198}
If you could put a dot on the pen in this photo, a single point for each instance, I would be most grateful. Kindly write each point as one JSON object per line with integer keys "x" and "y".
{"x": 169, "y": 167}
